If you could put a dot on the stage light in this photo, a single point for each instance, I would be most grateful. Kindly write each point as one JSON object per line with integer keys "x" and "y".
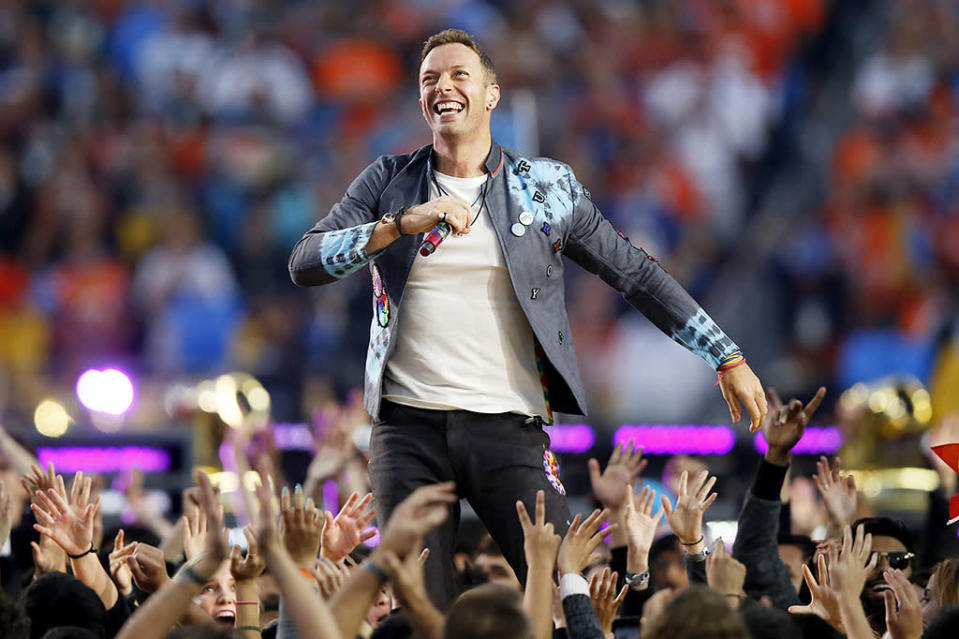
{"x": 570, "y": 438}
{"x": 816, "y": 440}
{"x": 662, "y": 439}
{"x": 108, "y": 391}
{"x": 51, "y": 418}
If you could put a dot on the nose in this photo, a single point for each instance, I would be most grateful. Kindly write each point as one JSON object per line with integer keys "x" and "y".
{"x": 444, "y": 83}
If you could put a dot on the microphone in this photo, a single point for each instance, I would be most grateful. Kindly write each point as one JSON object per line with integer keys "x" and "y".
{"x": 434, "y": 238}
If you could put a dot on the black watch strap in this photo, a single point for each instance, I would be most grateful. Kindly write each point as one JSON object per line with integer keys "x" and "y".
{"x": 398, "y": 220}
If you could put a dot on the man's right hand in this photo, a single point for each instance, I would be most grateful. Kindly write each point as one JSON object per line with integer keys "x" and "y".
{"x": 423, "y": 217}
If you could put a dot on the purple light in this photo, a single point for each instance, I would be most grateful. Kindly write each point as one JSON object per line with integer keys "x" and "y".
{"x": 662, "y": 439}
{"x": 571, "y": 438}
{"x": 108, "y": 391}
{"x": 824, "y": 440}
{"x": 105, "y": 459}
{"x": 293, "y": 437}
{"x": 331, "y": 496}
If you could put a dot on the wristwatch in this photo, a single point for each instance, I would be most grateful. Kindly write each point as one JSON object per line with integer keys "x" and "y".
{"x": 697, "y": 556}
{"x": 637, "y": 580}
{"x": 395, "y": 219}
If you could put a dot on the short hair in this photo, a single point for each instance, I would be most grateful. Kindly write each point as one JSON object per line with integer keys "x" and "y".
{"x": 806, "y": 545}
{"x": 59, "y": 599}
{"x": 13, "y": 621}
{"x": 887, "y": 527}
{"x": 458, "y": 36}
{"x": 945, "y": 625}
{"x": 488, "y": 546}
{"x": 490, "y": 611}
{"x": 697, "y": 612}
{"x": 768, "y": 623}
{"x": 946, "y": 573}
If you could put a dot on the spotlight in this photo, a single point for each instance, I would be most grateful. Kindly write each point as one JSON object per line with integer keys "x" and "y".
{"x": 51, "y": 418}
{"x": 107, "y": 391}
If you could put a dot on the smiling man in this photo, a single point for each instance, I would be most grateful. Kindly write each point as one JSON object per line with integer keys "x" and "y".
{"x": 470, "y": 345}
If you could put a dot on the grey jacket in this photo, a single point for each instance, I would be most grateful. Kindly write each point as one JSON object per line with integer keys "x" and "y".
{"x": 565, "y": 223}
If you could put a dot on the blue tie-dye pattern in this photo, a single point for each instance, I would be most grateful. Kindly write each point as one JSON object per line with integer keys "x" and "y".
{"x": 552, "y": 180}
{"x": 344, "y": 252}
{"x": 701, "y": 335}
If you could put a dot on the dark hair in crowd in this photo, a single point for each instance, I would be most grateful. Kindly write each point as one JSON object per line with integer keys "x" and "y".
{"x": 888, "y": 527}
{"x": 13, "y": 623}
{"x": 458, "y": 36}
{"x": 768, "y": 623}
{"x": 697, "y": 612}
{"x": 490, "y": 611}
{"x": 59, "y": 599}
{"x": 70, "y": 632}
{"x": 945, "y": 625}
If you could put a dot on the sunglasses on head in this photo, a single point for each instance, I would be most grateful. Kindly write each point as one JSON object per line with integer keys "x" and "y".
{"x": 897, "y": 560}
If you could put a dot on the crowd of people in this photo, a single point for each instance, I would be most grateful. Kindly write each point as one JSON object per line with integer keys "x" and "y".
{"x": 640, "y": 564}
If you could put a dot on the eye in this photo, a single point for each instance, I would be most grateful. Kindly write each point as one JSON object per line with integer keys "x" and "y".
{"x": 207, "y": 588}
{"x": 461, "y": 72}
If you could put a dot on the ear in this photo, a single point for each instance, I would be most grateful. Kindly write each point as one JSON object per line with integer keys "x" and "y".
{"x": 492, "y": 96}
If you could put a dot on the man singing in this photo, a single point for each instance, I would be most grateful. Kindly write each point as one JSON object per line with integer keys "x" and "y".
{"x": 470, "y": 345}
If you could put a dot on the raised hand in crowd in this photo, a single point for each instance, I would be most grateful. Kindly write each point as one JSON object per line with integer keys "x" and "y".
{"x": 310, "y": 613}
{"x": 119, "y": 569}
{"x": 406, "y": 577}
{"x": 245, "y": 570}
{"x": 693, "y": 499}
{"x": 347, "y": 530}
{"x": 785, "y": 424}
{"x": 606, "y": 602}
{"x": 582, "y": 539}
{"x": 838, "y": 494}
{"x": 903, "y": 609}
{"x": 612, "y": 486}
{"x": 144, "y": 510}
{"x": 167, "y": 605}
{"x": 6, "y": 513}
{"x": 726, "y": 575}
{"x": 640, "y": 530}
{"x": 540, "y": 545}
{"x": 426, "y": 508}
{"x": 195, "y": 530}
{"x": 301, "y": 527}
{"x": 148, "y": 568}
{"x": 848, "y": 575}
{"x": 332, "y": 447}
{"x": 330, "y": 576}
{"x": 823, "y": 600}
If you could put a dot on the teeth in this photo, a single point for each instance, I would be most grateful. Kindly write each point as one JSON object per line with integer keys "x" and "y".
{"x": 446, "y": 107}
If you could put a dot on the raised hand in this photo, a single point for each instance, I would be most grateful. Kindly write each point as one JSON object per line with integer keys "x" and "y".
{"x": 784, "y": 425}
{"x": 71, "y": 528}
{"x": 823, "y": 600}
{"x": 613, "y": 485}
{"x": 839, "y": 495}
{"x": 602, "y": 590}
{"x": 426, "y": 508}
{"x": 640, "y": 523}
{"x": 346, "y": 531}
{"x": 119, "y": 569}
{"x": 301, "y": 526}
{"x": 251, "y": 566}
{"x": 855, "y": 562}
{"x": 148, "y": 567}
{"x": 40, "y": 481}
{"x": 583, "y": 537}
{"x": 48, "y": 557}
{"x": 540, "y": 541}
{"x": 740, "y": 384}
{"x": 195, "y": 530}
{"x": 725, "y": 574}
{"x": 332, "y": 446}
{"x": 214, "y": 550}
{"x": 330, "y": 576}
{"x": 692, "y": 500}
{"x": 905, "y": 620}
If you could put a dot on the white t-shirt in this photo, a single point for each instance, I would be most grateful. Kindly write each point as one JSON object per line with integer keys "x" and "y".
{"x": 464, "y": 342}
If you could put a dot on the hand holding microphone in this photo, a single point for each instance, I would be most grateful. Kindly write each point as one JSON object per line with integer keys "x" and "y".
{"x": 437, "y": 218}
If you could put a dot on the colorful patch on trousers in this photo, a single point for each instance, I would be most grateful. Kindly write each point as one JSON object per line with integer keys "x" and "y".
{"x": 551, "y": 466}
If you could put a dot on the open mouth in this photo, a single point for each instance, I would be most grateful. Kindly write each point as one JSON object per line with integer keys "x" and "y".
{"x": 447, "y": 107}
{"x": 877, "y": 589}
{"x": 225, "y": 617}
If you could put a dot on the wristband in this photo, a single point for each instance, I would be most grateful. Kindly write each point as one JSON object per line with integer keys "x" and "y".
{"x": 306, "y": 572}
{"x": 691, "y": 543}
{"x": 726, "y": 368}
{"x": 247, "y": 603}
{"x": 86, "y": 552}
{"x": 697, "y": 556}
{"x": 253, "y": 628}
{"x": 637, "y": 579}
{"x": 370, "y": 566}
{"x": 398, "y": 220}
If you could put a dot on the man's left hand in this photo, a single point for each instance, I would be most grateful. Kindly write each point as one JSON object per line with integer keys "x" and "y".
{"x": 740, "y": 384}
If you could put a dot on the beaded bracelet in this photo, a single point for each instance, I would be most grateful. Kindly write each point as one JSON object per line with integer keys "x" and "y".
{"x": 253, "y": 628}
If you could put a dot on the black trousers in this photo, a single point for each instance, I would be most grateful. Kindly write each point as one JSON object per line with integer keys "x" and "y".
{"x": 495, "y": 460}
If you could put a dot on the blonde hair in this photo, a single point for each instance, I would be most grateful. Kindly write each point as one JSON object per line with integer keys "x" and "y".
{"x": 946, "y": 573}
{"x": 458, "y": 36}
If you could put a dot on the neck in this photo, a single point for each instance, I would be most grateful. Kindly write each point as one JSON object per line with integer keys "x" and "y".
{"x": 461, "y": 158}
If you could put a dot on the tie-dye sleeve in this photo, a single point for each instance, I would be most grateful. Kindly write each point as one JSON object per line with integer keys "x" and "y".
{"x": 596, "y": 246}
{"x": 336, "y": 246}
